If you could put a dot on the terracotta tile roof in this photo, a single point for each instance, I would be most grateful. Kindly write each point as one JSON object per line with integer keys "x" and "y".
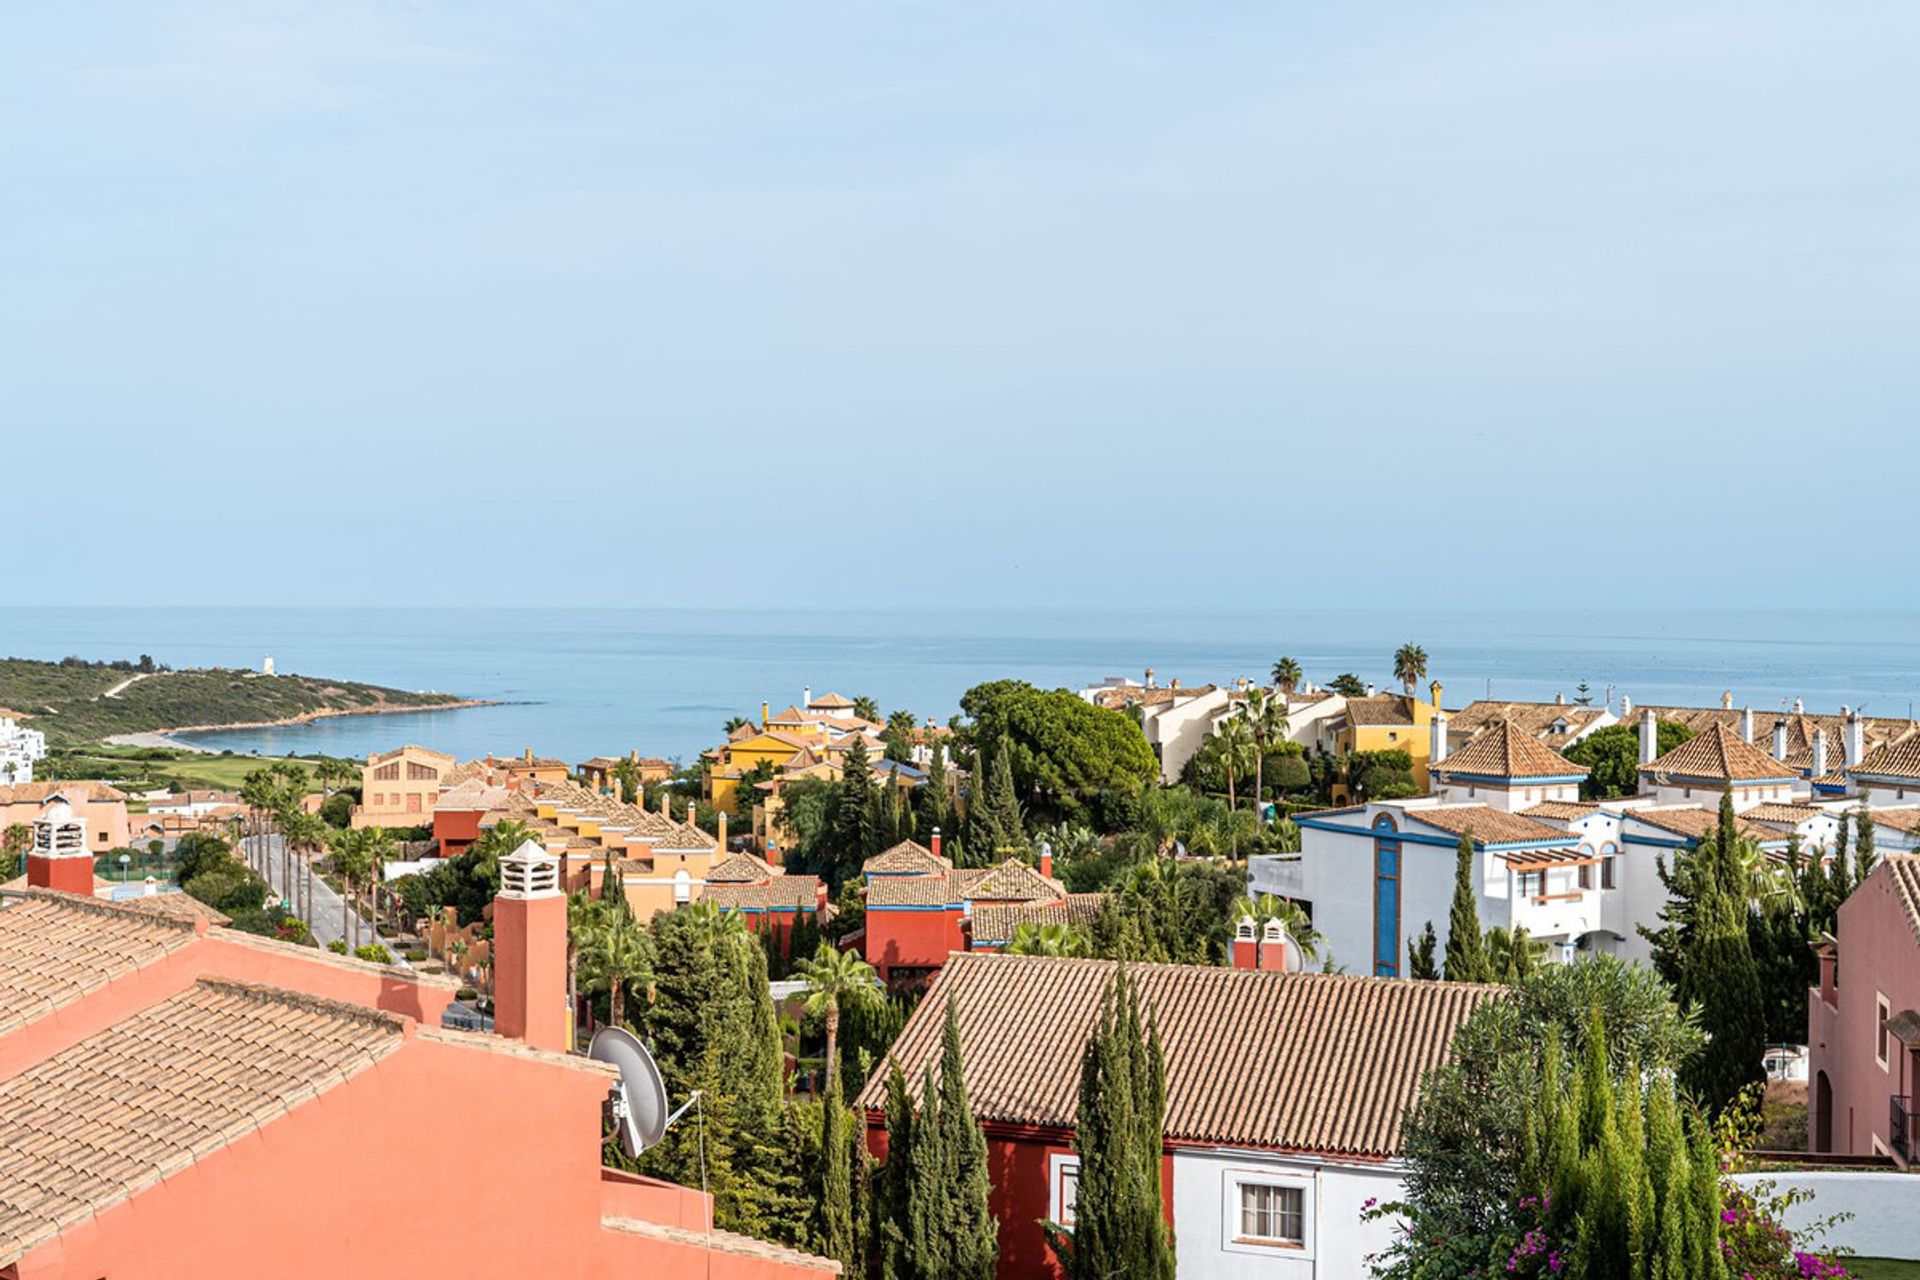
{"x": 1904, "y": 871}
{"x": 1561, "y": 810}
{"x": 994, "y": 923}
{"x": 1381, "y": 708}
{"x": 464, "y": 772}
{"x": 831, "y": 700}
{"x": 75, "y": 792}
{"x": 1503, "y": 750}
{"x": 1542, "y": 720}
{"x": 1717, "y": 754}
{"x": 912, "y": 891}
{"x": 909, "y": 857}
{"x": 1695, "y": 821}
{"x": 57, "y": 947}
{"x": 1894, "y": 760}
{"x": 1294, "y": 1061}
{"x": 1781, "y": 814}
{"x": 779, "y": 893}
{"x": 473, "y": 793}
{"x": 739, "y": 868}
{"x": 1013, "y": 881}
{"x": 176, "y": 906}
{"x": 415, "y": 749}
{"x": 1486, "y": 824}
{"x": 95, "y": 1125}
{"x": 1899, "y": 817}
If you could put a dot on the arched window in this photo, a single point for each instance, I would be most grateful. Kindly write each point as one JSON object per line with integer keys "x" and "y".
{"x": 682, "y": 888}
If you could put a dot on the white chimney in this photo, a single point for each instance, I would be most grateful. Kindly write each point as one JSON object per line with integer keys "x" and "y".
{"x": 1819, "y": 753}
{"x": 1626, "y": 706}
{"x": 1369, "y": 691}
{"x": 1779, "y": 739}
{"x": 806, "y": 696}
{"x": 1856, "y": 736}
{"x": 1726, "y": 700}
{"x": 1649, "y": 737}
{"x": 1799, "y": 707}
{"x": 1559, "y": 699}
{"x": 1437, "y": 739}
{"x": 1746, "y": 724}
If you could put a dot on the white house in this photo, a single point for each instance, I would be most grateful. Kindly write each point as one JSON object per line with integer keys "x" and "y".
{"x": 19, "y": 748}
{"x": 1285, "y": 1097}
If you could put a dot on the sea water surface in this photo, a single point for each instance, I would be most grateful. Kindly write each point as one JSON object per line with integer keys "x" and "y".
{"x": 581, "y": 682}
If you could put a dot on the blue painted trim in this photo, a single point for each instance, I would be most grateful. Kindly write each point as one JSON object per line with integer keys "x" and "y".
{"x": 1447, "y": 842}
{"x": 1660, "y": 842}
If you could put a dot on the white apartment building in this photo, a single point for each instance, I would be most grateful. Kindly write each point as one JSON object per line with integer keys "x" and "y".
{"x": 20, "y": 747}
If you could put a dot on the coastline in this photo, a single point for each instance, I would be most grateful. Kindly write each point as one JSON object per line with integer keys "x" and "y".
{"x": 165, "y": 738}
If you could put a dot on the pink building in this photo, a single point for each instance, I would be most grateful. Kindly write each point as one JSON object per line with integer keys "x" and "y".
{"x": 1863, "y": 1021}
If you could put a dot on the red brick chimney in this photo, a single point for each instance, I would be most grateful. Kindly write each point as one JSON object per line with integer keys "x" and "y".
{"x": 1046, "y": 859}
{"x": 934, "y": 841}
{"x": 58, "y": 857}
{"x": 530, "y": 951}
{"x": 1273, "y": 948}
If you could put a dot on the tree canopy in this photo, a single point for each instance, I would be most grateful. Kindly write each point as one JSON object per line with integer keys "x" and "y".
{"x": 1613, "y": 756}
{"x": 1069, "y": 758}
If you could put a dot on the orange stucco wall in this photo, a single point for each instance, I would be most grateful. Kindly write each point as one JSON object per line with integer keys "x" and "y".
{"x": 314, "y": 1192}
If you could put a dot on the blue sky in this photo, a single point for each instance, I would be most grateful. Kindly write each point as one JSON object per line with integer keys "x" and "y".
{"x": 933, "y": 304}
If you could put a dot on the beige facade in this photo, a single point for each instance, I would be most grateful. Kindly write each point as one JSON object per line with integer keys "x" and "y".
{"x": 100, "y": 807}
{"x": 399, "y": 788}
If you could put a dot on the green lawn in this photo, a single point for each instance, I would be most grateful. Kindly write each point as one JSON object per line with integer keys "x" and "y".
{"x": 146, "y": 766}
{"x": 1884, "y": 1269}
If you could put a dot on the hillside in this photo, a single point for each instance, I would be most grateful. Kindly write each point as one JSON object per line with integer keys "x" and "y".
{"x": 74, "y": 703}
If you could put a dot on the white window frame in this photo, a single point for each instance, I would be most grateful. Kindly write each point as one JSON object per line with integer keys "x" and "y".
{"x": 1882, "y": 1042}
{"x": 1231, "y": 1239}
{"x": 1062, "y": 1169}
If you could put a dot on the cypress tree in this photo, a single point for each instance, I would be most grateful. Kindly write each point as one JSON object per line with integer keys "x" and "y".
{"x": 1863, "y": 851}
{"x": 994, "y": 829}
{"x": 1720, "y": 974}
{"x": 1840, "y": 870}
{"x": 834, "y": 1205}
{"x": 893, "y": 1181}
{"x": 1466, "y": 955}
{"x": 1421, "y": 951}
{"x": 1119, "y": 1227}
{"x": 935, "y": 798}
{"x": 949, "y": 1233}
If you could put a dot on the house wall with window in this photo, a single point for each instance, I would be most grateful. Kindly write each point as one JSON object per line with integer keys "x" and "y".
{"x": 1257, "y": 1214}
{"x": 400, "y": 788}
{"x": 1857, "y": 1064}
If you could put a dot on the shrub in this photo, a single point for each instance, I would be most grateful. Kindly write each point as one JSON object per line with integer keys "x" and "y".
{"x": 375, "y": 952}
{"x": 338, "y": 946}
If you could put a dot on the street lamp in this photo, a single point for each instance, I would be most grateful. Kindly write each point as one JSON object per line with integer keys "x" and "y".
{"x": 125, "y": 861}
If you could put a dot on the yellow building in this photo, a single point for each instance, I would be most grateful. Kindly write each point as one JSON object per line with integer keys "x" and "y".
{"x": 1388, "y": 722}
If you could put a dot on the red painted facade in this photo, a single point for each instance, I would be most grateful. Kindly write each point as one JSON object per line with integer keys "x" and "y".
{"x": 912, "y": 938}
{"x": 1855, "y": 1069}
{"x": 69, "y": 873}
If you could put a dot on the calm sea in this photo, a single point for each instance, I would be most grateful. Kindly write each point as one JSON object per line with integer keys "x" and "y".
{"x": 582, "y": 682}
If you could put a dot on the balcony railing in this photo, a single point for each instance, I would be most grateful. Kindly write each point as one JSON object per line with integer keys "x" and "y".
{"x": 1900, "y": 1127}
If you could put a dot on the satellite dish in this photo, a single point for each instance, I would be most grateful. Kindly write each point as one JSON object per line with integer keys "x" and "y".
{"x": 640, "y": 1099}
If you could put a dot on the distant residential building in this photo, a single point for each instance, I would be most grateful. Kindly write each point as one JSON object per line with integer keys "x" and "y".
{"x": 1863, "y": 1022}
{"x": 527, "y": 767}
{"x": 1285, "y": 1099}
{"x": 20, "y": 747}
{"x": 399, "y": 788}
{"x": 99, "y": 808}
{"x": 602, "y": 773}
{"x": 191, "y": 804}
{"x": 921, "y": 908}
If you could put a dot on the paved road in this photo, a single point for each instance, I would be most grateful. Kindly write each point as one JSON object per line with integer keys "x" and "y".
{"x": 327, "y": 921}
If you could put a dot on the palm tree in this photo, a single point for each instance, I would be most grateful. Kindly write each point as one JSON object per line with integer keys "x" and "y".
{"x": 622, "y": 954}
{"x": 836, "y": 980}
{"x": 866, "y": 708}
{"x": 1049, "y": 940}
{"x": 733, "y": 723}
{"x": 1266, "y": 719}
{"x": 353, "y": 855}
{"x": 1236, "y": 746}
{"x": 1287, "y": 675}
{"x": 1409, "y": 665}
{"x": 1513, "y": 955}
{"x": 334, "y": 774}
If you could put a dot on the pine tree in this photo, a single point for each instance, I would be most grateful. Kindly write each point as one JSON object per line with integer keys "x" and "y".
{"x": 1119, "y": 1224}
{"x": 1420, "y": 963}
{"x": 1466, "y": 954}
{"x": 856, "y": 834}
{"x": 1720, "y": 977}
